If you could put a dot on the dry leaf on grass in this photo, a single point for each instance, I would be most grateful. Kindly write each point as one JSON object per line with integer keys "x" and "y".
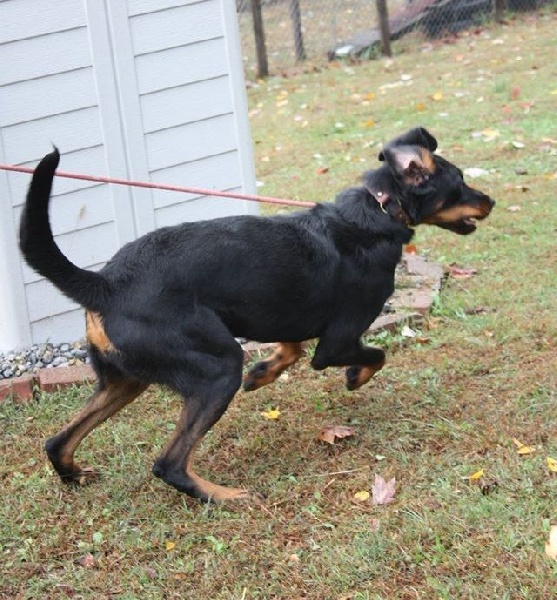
{"x": 408, "y": 332}
{"x": 383, "y": 492}
{"x": 551, "y": 464}
{"x": 475, "y": 172}
{"x": 331, "y": 433}
{"x": 551, "y": 547}
{"x": 362, "y": 496}
{"x": 489, "y": 487}
{"x": 523, "y": 449}
{"x": 475, "y": 476}
{"x": 374, "y": 524}
{"x": 271, "y": 415}
{"x": 88, "y": 561}
{"x": 477, "y": 310}
{"x": 150, "y": 572}
{"x": 460, "y": 272}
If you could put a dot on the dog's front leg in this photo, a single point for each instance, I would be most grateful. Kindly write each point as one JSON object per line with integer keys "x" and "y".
{"x": 267, "y": 371}
{"x": 362, "y": 361}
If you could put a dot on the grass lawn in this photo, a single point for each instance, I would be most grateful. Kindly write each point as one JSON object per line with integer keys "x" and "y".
{"x": 439, "y": 411}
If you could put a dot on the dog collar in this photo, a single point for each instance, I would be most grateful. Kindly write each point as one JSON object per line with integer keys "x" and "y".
{"x": 382, "y": 198}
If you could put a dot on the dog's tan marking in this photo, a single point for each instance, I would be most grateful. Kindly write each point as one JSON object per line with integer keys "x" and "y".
{"x": 96, "y": 335}
{"x": 428, "y": 160}
{"x": 102, "y": 405}
{"x": 213, "y": 491}
{"x": 180, "y": 452}
{"x": 366, "y": 373}
{"x": 267, "y": 371}
{"x": 457, "y": 213}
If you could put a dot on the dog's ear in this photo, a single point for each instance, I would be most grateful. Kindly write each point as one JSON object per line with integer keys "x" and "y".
{"x": 414, "y": 164}
{"x": 419, "y": 136}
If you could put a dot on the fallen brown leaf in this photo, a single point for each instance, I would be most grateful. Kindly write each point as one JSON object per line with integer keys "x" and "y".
{"x": 488, "y": 487}
{"x": 477, "y": 310}
{"x": 331, "y": 433}
{"x": 460, "y": 272}
{"x": 551, "y": 547}
{"x": 88, "y": 561}
{"x": 383, "y": 492}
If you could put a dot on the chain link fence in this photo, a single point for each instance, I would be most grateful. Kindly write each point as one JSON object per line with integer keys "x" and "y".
{"x": 293, "y": 32}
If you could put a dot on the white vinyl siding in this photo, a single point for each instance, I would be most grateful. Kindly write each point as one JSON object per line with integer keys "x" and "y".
{"x": 139, "y": 89}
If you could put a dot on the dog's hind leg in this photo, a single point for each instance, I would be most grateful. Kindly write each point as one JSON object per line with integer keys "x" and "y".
{"x": 112, "y": 394}
{"x": 267, "y": 371}
{"x": 208, "y": 376}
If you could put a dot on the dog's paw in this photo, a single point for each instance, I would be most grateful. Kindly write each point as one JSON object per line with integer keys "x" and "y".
{"x": 356, "y": 376}
{"x": 256, "y": 377}
{"x": 353, "y": 378}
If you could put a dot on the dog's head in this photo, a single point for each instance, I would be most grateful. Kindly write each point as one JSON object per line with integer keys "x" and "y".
{"x": 429, "y": 188}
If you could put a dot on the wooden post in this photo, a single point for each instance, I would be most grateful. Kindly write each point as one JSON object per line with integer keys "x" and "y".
{"x": 296, "y": 16}
{"x": 383, "y": 16}
{"x": 499, "y": 10}
{"x": 260, "y": 46}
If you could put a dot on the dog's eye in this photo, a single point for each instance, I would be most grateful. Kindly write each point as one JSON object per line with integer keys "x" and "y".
{"x": 426, "y": 176}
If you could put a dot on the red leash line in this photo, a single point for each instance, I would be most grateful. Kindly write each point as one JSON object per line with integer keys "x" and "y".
{"x": 165, "y": 186}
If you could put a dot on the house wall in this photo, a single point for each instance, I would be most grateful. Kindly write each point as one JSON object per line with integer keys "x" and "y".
{"x": 139, "y": 89}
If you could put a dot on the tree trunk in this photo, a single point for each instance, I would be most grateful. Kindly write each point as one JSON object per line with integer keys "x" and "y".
{"x": 260, "y": 47}
{"x": 499, "y": 10}
{"x": 296, "y": 16}
{"x": 383, "y": 16}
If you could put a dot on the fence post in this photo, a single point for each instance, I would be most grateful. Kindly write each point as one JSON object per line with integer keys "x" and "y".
{"x": 499, "y": 10}
{"x": 383, "y": 15}
{"x": 296, "y": 16}
{"x": 259, "y": 33}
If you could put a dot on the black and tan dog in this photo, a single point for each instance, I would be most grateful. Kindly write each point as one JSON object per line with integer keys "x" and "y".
{"x": 167, "y": 308}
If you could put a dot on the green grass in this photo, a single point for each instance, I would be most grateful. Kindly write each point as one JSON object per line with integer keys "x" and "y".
{"x": 437, "y": 413}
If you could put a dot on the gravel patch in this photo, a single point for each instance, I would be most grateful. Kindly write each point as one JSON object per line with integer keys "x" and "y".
{"x": 42, "y": 356}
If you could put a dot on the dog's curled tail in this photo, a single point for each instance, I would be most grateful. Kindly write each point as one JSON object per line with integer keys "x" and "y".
{"x": 39, "y": 249}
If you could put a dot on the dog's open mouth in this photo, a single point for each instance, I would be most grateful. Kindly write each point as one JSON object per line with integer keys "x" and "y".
{"x": 463, "y": 226}
{"x": 461, "y": 219}
{"x": 469, "y": 224}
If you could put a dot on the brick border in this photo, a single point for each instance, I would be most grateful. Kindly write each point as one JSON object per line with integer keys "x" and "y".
{"x": 421, "y": 282}
{"x": 22, "y": 389}
{"x": 19, "y": 389}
